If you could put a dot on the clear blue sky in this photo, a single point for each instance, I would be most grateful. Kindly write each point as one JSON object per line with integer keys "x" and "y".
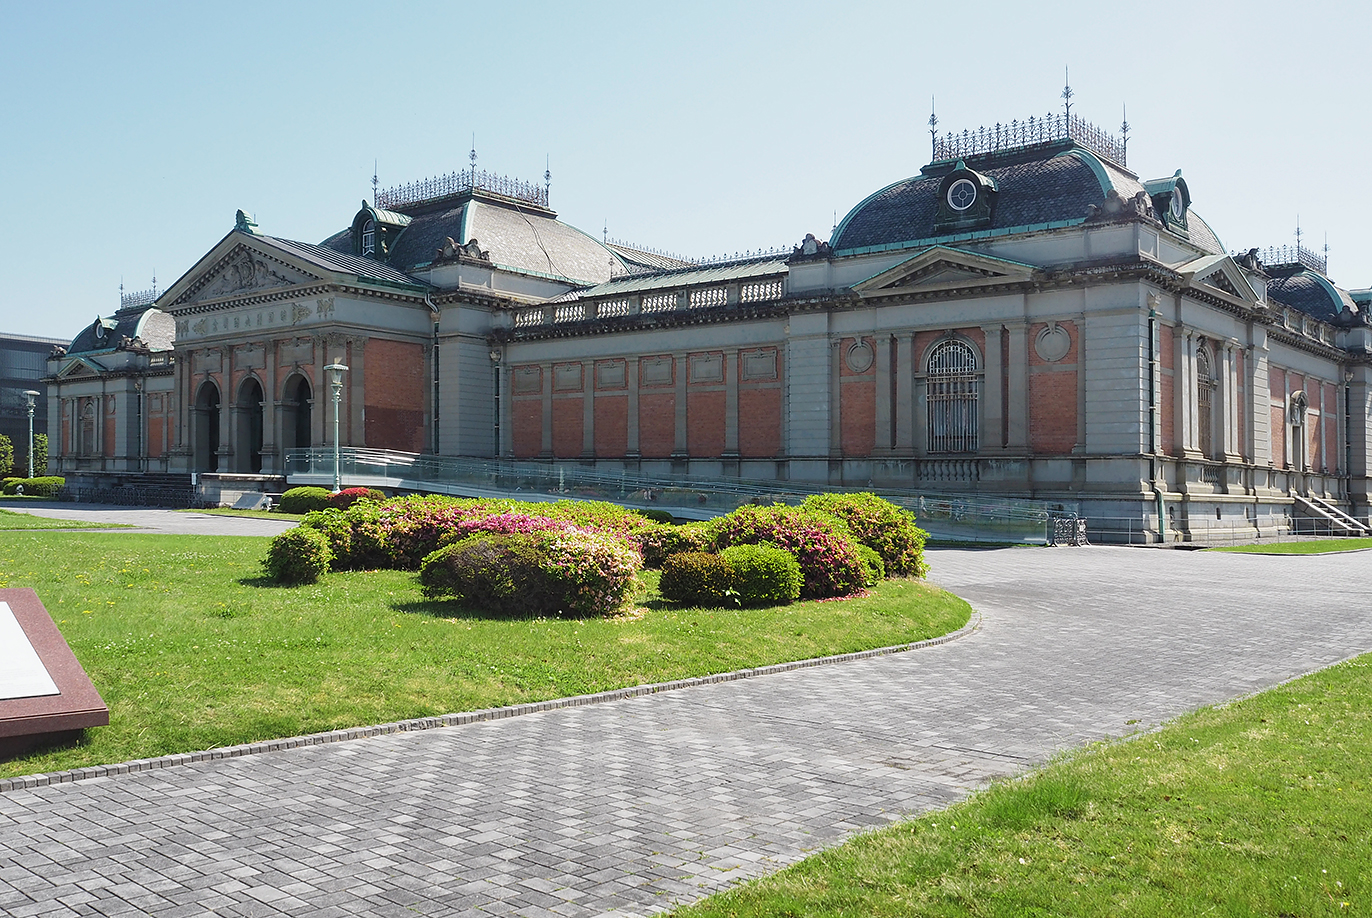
{"x": 133, "y": 131}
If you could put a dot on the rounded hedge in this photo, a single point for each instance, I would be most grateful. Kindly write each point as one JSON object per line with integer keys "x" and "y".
{"x": 827, "y": 554}
{"x": 697, "y": 578}
{"x": 565, "y": 571}
{"x": 298, "y": 555}
{"x": 41, "y": 486}
{"x": 661, "y": 540}
{"x": 304, "y": 500}
{"x": 882, "y": 526}
{"x": 763, "y": 575}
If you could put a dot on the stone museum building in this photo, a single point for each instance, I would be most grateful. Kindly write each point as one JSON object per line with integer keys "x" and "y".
{"x": 1024, "y": 316}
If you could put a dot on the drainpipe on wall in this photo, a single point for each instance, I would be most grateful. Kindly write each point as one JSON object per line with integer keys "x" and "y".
{"x": 1154, "y": 387}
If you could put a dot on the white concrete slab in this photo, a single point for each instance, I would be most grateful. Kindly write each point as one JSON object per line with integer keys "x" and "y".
{"x": 22, "y": 674}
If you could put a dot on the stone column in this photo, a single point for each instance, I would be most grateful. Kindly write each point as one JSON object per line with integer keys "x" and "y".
{"x": 680, "y": 368}
{"x": 1018, "y": 372}
{"x": 905, "y": 390}
{"x": 1183, "y": 377}
{"x": 835, "y": 398}
{"x": 272, "y": 460}
{"x": 546, "y": 451}
{"x": 731, "y": 402}
{"x": 883, "y": 345}
{"x": 631, "y": 423}
{"x": 588, "y": 409}
{"x": 990, "y": 398}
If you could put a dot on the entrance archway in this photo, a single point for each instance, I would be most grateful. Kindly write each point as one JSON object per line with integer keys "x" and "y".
{"x": 295, "y": 413}
{"x": 206, "y": 417}
{"x": 248, "y": 449}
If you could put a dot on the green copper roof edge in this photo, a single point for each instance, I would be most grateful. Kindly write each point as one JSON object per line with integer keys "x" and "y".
{"x": 843, "y": 224}
{"x": 468, "y": 214}
{"x": 960, "y": 237}
{"x": 1096, "y": 166}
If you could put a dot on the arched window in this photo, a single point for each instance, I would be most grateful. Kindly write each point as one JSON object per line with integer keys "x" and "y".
{"x": 951, "y": 393}
{"x": 369, "y": 238}
{"x": 1205, "y": 403}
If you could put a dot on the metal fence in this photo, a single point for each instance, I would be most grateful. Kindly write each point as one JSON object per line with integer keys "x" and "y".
{"x": 957, "y": 518}
{"x": 136, "y": 496}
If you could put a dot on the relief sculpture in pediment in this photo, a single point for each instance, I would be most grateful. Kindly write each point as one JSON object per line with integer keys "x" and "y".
{"x": 244, "y": 272}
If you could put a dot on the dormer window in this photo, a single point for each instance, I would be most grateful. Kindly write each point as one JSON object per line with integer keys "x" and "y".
{"x": 369, "y": 238}
{"x": 967, "y": 200}
{"x": 1171, "y": 200}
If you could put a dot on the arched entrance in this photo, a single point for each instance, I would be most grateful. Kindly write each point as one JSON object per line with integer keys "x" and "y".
{"x": 295, "y": 413}
{"x": 206, "y": 417}
{"x": 248, "y": 449}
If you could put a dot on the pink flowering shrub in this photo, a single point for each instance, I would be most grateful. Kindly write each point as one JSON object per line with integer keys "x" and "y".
{"x": 828, "y": 559}
{"x": 342, "y": 500}
{"x": 882, "y": 526}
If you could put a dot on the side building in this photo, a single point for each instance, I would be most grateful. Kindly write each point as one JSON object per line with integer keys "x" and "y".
{"x": 1025, "y": 317}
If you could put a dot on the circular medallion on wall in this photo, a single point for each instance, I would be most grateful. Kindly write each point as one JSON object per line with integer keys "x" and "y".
{"x": 1052, "y": 343}
{"x": 860, "y": 356}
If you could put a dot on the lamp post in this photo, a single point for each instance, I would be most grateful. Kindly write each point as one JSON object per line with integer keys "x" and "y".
{"x": 30, "y": 395}
{"x": 336, "y": 371}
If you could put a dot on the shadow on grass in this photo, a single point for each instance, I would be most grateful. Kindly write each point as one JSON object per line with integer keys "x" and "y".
{"x": 447, "y": 608}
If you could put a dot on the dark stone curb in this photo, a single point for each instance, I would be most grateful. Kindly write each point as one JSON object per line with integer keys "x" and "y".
{"x": 467, "y": 717}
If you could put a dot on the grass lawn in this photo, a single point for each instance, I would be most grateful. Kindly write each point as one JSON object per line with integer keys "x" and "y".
{"x": 255, "y": 514}
{"x": 1313, "y": 547}
{"x": 12, "y": 520}
{"x": 1262, "y": 807}
{"x": 191, "y": 649}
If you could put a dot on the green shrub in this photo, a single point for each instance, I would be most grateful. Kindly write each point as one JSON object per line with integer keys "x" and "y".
{"x": 492, "y": 572}
{"x": 658, "y": 516}
{"x": 560, "y": 571}
{"x": 821, "y": 543}
{"x": 697, "y": 578}
{"x": 40, "y": 453}
{"x": 304, "y": 500}
{"x": 660, "y": 540}
{"x": 882, "y": 526}
{"x": 6, "y": 455}
{"x": 44, "y": 486}
{"x": 872, "y": 564}
{"x": 298, "y": 555}
{"x": 763, "y": 575}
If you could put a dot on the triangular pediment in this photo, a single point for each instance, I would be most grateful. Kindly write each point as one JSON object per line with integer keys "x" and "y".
{"x": 77, "y": 367}
{"x": 241, "y": 265}
{"x": 941, "y": 268}
{"x": 1218, "y": 274}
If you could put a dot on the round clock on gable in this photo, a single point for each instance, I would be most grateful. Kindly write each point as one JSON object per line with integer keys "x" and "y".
{"x": 962, "y": 194}
{"x": 1177, "y": 205}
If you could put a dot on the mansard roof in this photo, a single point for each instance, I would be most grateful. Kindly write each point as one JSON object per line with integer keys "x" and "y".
{"x": 518, "y": 236}
{"x": 1311, "y": 293}
{"x": 152, "y": 326}
{"x": 1046, "y": 187}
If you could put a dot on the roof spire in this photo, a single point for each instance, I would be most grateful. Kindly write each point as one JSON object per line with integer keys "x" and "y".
{"x": 1298, "y": 231}
{"x": 1124, "y": 134}
{"x": 374, "y": 182}
{"x": 933, "y": 131}
{"x": 1067, "y": 93}
{"x": 606, "y": 232}
{"x": 472, "y": 157}
{"x": 154, "y": 283}
{"x": 547, "y": 176}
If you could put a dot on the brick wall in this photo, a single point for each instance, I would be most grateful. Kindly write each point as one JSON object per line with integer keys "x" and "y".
{"x": 1053, "y": 394}
{"x": 857, "y": 408}
{"x": 759, "y": 422}
{"x": 394, "y": 388}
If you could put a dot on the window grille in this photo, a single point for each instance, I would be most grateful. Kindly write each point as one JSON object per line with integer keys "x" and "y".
{"x": 952, "y": 386}
{"x": 369, "y": 238}
{"x": 1205, "y": 403}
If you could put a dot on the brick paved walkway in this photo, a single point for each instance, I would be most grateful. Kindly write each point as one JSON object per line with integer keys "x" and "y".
{"x": 628, "y": 807}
